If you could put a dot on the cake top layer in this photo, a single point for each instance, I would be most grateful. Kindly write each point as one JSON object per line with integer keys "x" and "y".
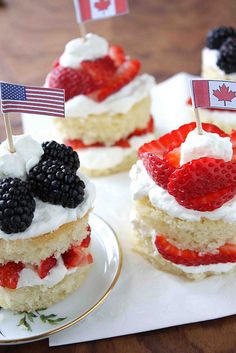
{"x": 221, "y": 44}
{"x": 199, "y": 171}
{"x": 40, "y": 188}
{"x": 92, "y": 68}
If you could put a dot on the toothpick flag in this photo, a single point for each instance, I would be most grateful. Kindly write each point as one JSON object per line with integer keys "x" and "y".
{"x": 34, "y": 100}
{"x": 87, "y": 10}
{"x": 214, "y": 94}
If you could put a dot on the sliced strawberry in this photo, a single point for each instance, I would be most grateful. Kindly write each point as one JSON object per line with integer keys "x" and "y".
{"x": 233, "y": 140}
{"x": 86, "y": 241}
{"x": 174, "y": 139}
{"x": 74, "y": 82}
{"x": 173, "y": 157}
{"x": 76, "y": 257}
{"x": 124, "y": 74}
{"x": 9, "y": 274}
{"x": 124, "y": 143}
{"x": 117, "y": 54}
{"x": 148, "y": 129}
{"x": 101, "y": 70}
{"x": 159, "y": 170}
{"x": 226, "y": 253}
{"x": 45, "y": 266}
{"x": 56, "y": 63}
{"x": 203, "y": 184}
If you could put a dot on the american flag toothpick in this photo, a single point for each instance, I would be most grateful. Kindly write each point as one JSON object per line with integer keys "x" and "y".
{"x": 32, "y": 100}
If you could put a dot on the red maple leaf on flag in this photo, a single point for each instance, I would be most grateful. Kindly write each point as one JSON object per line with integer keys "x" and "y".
{"x": 102, "y": 5}
{"x": 223, "y": 93}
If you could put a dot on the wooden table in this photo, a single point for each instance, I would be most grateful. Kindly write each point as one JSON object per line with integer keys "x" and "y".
{"x": 167, "y": 36}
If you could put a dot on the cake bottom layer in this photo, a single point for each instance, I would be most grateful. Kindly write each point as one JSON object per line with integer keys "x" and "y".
{"x": 124, "y": 165}
{"x": 146, "y": 248}
{"x": 105, "y": 128}
{"x": 39, "y": 297}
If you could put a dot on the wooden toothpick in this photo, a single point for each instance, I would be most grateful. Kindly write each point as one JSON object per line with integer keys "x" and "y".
{"x": 82, "y": 30}
{"x": 7, "y": 123}
{"x": 198, "y": 122}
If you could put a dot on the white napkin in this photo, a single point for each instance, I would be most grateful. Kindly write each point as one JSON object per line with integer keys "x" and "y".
{"x": 145, "y": 298}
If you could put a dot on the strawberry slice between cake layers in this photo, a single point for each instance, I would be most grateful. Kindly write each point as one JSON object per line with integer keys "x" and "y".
{"x": 224, "y": 254}
{"x": 197, "y": 170}
{"x": 50, "y": 270}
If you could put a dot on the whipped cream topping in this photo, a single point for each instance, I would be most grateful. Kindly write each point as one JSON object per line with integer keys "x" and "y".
{"x": 118, "y": 103}
{"x": 47, "y": 217}
{"x": 27, "y": 155}
{"x": 79, "y": 49}
{"x": 206, "y": 145}
{"x": 29, "y": 278}
{"x": 108, "y": 157}
{"x": 209, "y": 61}
{"x": 142, "y": 185}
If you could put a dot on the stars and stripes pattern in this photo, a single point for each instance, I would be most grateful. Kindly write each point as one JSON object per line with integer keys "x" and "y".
{"x": 33, "y": 100}
{"x": 87, "y": 10}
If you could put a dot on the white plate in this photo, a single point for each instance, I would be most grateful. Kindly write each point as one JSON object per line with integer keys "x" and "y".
{"x": 99, "y": 283}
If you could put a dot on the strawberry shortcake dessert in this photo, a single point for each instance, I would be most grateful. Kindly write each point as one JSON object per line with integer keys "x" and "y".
{"x": 107, "y": 109}
{"x": 184, "y": 208}
{"x": 44, "y": 233}
{"x": 219, "y": 63}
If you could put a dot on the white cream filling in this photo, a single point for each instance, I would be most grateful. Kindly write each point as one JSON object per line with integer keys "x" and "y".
{"x": 47, "y": 217}
{"x": 143, "y": 185}
{"x": 118, "y": 103}
{"x": 108, "y": 157}
{"x": 209, "y": 61}
{"x": 29, "y": 278}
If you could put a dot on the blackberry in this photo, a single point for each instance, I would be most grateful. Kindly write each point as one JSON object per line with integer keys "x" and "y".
{"x": 17, "y": 205}
{"x": 217, "y": 36}
{"x": 227, "y": 56}
{"x": 62, "y": 153}
{"x": 51, "y": 181}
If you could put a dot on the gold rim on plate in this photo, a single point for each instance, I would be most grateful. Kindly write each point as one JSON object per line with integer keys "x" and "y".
{"x": 86, "y": 313}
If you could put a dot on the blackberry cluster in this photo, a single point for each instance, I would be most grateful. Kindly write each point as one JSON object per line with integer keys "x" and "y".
{"x": 227, "y": 56}
{"x": 17, "y": 205}
{"x": 217, "y": 36}
{"x": 62, "y": 153}
{"x": 54, "y": 182}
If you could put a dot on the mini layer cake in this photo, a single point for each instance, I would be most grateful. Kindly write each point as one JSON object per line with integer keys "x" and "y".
{"x": 107, "y": 104}
{"x": 44, "y": 233}
{"x": 184, "y": 208}
{"x": 219, "y": 63}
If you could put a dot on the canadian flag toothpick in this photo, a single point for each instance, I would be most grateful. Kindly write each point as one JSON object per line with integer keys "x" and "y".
{"x": 212, "y": 94}
{"x": 87, "y": 10}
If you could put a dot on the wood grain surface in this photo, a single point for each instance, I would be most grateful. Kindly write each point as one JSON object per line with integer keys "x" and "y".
{"x": 167, "y": 35}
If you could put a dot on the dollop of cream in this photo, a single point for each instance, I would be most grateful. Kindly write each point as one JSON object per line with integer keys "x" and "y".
{"x": 206, "y": 145}
{"x": 17, "y": 164}
{"x": 142, "y": 185}
{"x": 79, "y": 49}
{"x": 118, "y": 103}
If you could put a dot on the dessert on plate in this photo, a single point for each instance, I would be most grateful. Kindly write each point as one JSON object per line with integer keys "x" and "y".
{"x": 107, "y": 108}
{"x": 219, "y": 63}
{"x": 44, "y": 233}
{"x": 184, "y": 208}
